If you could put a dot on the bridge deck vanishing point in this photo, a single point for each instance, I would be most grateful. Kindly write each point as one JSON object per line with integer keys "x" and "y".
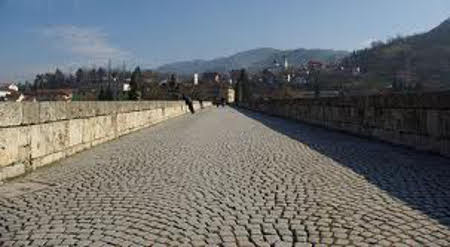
{"x": 232, "y": 178}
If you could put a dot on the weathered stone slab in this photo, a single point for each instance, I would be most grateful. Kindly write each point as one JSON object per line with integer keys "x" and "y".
{"x": 10, "y": 114}
{"x": 102, "y": 126}
{"x": 52, "y": 111}
{"x": 81, "y": 109}
{"x": 88, "y": 131}
{"x": 49, "y": 138}
{"x": 75, "y": 132}
{"x": 30, "y": 113}
{"x": 14, "y": 145}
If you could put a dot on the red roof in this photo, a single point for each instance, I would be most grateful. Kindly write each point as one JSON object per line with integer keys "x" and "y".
{"x": 314, "y": 62}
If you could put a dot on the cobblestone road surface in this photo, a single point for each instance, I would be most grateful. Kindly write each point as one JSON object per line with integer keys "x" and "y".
{"x": 231, "y": 178}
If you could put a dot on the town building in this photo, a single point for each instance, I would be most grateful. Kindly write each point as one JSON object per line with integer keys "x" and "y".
{"x": 315, "y": 65}
{"x": 211, "y": 77}
{"x": 10, "y": 93}
{"x": 49, "y": 95}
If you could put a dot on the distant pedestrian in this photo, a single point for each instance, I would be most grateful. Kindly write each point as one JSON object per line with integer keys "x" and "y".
{"x": 189, "y": 103}
{"x": 201, "y": 103}
{"x": 222, "y": 102}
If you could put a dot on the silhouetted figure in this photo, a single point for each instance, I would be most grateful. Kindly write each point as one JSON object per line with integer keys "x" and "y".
{"x": 201, "y": 103}
{"x": 222, "y": 102}
{"x": 189, "y": 103}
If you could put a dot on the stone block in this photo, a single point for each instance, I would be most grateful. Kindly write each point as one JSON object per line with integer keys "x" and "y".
{"x": 154, "y": 105}
{"x": 52, "y": 111}
{"x": 30, "y": 113}
{"x": 140, "y": 121}
{"x": 13, "y": 145}
{"x": 122, "y": 122}
{"x": 110, "y": 108}
{"x": 102, "y": 127}
{"x": 10, "y": 114}
{"x": 148, "y": 117}
{"x": 125, "y": 106}
{"x": 103, "y": 108}
{"x": 136, "y": 106}
{"x": 88, "y": 130}
{"x": 143, "y": 117}
{"x": 119, "y": 107}
{"x": 49, "y": 138}
{"x": 132, "y": 120}
{"x": 156, "y": 116}
{"x": 80, "y": 109}
{"x": 75, "y": 132}
{"x": 433, "y": 127}
{"x": 168, "y": 112}
{"x": 8, "y": 146}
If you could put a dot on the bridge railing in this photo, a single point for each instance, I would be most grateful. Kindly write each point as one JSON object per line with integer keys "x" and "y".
{"x": 33, "y": 134}
{"x": 418, "y": 121}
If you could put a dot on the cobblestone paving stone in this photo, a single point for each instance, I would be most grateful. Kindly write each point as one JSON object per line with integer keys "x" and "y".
{"x": 230, "y": 178}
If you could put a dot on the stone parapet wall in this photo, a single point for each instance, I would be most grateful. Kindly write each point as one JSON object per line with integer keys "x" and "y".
{"x": 36, "y": 134}
{"x": 421, "y": 122}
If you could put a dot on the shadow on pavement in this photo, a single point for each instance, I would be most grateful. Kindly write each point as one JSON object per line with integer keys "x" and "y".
{"x": 419, "y": 179}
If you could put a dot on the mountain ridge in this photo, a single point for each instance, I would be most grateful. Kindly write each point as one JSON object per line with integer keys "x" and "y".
{"x": 253, "y": 60}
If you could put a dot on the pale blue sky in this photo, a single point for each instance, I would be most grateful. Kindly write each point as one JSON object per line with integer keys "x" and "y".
{"x": 39, "y": 35}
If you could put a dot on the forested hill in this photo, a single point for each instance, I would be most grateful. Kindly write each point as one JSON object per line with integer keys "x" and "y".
{"x": 422, "y": 60}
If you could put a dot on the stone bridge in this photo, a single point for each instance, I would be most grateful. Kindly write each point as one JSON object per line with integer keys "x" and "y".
{"x": 231, "y": 177}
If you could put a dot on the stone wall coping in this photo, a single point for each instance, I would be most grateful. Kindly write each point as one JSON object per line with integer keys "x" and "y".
{"x": 29, "y": 113}
{"x": 422, "y": 101}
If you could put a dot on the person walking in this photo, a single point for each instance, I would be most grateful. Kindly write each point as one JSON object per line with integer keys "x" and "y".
{"x": 189, "y": 103}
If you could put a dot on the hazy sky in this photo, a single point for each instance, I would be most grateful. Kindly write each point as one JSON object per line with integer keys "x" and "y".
{"x": 39, "y": 35}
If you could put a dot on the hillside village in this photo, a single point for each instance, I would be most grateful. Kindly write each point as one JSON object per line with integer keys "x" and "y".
{"x": 148, "y": 85}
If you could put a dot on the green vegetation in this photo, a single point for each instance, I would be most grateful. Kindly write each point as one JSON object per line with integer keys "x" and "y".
{"x": 418, "y": 62}
{"x": 135, "y": 84}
